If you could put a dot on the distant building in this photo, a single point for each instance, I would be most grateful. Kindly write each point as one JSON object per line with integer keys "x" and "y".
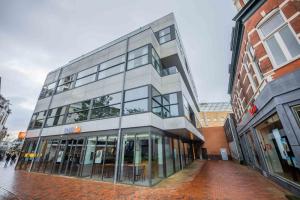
{"x": 214, "y": 114}
{"x": 264, "y": 85}
{"x": 4, "y": 112}
{"x": 212, "y": 119}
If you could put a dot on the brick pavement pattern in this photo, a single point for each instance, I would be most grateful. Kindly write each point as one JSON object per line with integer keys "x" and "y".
{"x": 207, "y": 180}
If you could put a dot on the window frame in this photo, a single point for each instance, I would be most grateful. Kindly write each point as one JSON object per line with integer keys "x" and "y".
{"x": 72, "y": 83}
{"x": 105, "y": 106}
{"x": 138, "y": 99}
{"x": 161, "y": 36}
{"x": 60, "y": 115}
{"x": 94, "y": 73}
{"x": 82, "y": 110}
{"x": 112, "y": 66}
{"x": 289, "y": 58}
{"x": 143, "y": 55}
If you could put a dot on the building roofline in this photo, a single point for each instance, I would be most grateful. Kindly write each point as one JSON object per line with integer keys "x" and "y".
{"x": 237, "y": 35}
{"x": 109, "y": 44}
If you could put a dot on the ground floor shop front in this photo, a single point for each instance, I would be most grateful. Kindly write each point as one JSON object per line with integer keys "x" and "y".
{"x": 270, "y": 139}
{"x": 146, "y": 155}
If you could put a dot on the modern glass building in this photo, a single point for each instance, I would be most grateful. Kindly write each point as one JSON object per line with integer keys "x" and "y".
{"x": 125, "y": 112}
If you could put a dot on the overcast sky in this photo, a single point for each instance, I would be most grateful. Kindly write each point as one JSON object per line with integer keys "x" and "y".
{"x": 39, "y": 36}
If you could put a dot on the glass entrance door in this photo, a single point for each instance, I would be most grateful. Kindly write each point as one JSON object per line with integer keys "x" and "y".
{"x": 135, "y": 159}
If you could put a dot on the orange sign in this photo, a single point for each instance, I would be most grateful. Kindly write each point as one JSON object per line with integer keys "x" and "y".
{"x": 21, "y": 135}
{"x": 77, "y": 129}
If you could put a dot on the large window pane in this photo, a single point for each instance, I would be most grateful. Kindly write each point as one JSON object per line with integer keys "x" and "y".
{"x": 164, "y": 32}
{"x": 50, "y": 158}
{"x": 290, "y": 41}
{"x": 57, "y": 111}
{"x": 112, "y": 62}
{"x": 273, "y": 23}
{"x": 110, "y": 159}
{"x": 89, "y": 156}
{"x": 136, "y": 106}
{"x": 277, "y": 150}
{"x": 108, "y": 111}
{"x": 79, "y": 106}
{"x": 135, "y": 159}
{"x": 107, "y": 100}
{"x": 157, "y": 161}
{"x": 137, "y": 93}
{"x": 77, "y": 116}
{"x": 87, "y": 72}
{"x": 169, "y": 156}
{"x": 276, "y": 51}
{"x": 137, "y": 62}
{"x": 138, "y": 52}
{"x": 111, "y": 71}
{"x": 85, "y": 80}
{"x": 127, "y": 158}
{"x": 99, "y": 157}
{"x": 64, "y": 87}
{"x": 165, "y": 38}
{"x": 54, "y": 121}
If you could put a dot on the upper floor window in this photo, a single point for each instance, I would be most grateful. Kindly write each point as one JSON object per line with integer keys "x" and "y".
{"x": 106, "y": 106}
{"x": 47, "y": 90}
{"x": 55, "y": 116}
{"x": 78, "y": 111}
{"x": 136, "y": 100}
{"x": 138, "y": 57}
{"x": 112, "y": 67}
{"x": 170, "y": 102}
{"x": 37, "y": 119}
{"x": 156, "y": 61}
{"x": 65, "y": 83}
{"x": 280, "y": 40}
{"x": 86, "y": 76}
{"x": 164, "y": 35}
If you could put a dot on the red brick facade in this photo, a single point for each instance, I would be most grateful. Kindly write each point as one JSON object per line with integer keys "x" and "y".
{"x": 290, "y": 10}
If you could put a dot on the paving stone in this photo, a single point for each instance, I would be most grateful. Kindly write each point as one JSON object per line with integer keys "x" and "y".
{"x": 205, "y": 180}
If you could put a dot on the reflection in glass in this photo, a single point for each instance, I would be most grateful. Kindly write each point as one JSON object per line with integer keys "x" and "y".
{"x": 136, "y": 106}
{"x": 110, "y": 158}
{"x": 157, "y": 161}
{"x": 169, "y": 156}
{"x": 88, "y": 156}
{"x": 176, "y": 155}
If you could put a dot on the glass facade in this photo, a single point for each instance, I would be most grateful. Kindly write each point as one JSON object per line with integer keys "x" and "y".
{"x": 146, "y": 157}
{"x": 277, "y": 150}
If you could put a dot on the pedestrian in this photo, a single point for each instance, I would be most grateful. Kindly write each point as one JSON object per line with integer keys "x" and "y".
{"x": 13, "y": 158}
{"x": 8, "y": 156}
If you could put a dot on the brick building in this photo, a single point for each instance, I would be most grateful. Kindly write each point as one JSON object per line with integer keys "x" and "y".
{"x": 212, "y": 119}
{"x": 264, "y": 85}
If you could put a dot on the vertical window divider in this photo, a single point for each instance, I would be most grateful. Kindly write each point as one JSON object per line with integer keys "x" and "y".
{"x": 149, "y": 174}
{"x": 116, "y": 174}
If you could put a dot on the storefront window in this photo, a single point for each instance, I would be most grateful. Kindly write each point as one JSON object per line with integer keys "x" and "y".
{"x": 135, "y": 159}
{"x": 89, "y": 156}
{"x": 169, "y": 156}
{"x": 157, "y": 161}
{"x": 110, "y": 158}
{"x": 277, "y": 150}
{"x": 176, "y": 155}
{"x": 253, "y": 150}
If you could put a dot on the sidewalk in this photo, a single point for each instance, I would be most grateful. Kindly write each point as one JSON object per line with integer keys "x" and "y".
{"x": 202, "y": 180}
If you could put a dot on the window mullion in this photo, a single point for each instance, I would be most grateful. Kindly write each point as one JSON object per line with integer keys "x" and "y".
{"x": 283, "y": 46}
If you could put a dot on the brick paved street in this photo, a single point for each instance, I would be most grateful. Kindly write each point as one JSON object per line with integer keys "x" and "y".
{"x": 202, "y": 180}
